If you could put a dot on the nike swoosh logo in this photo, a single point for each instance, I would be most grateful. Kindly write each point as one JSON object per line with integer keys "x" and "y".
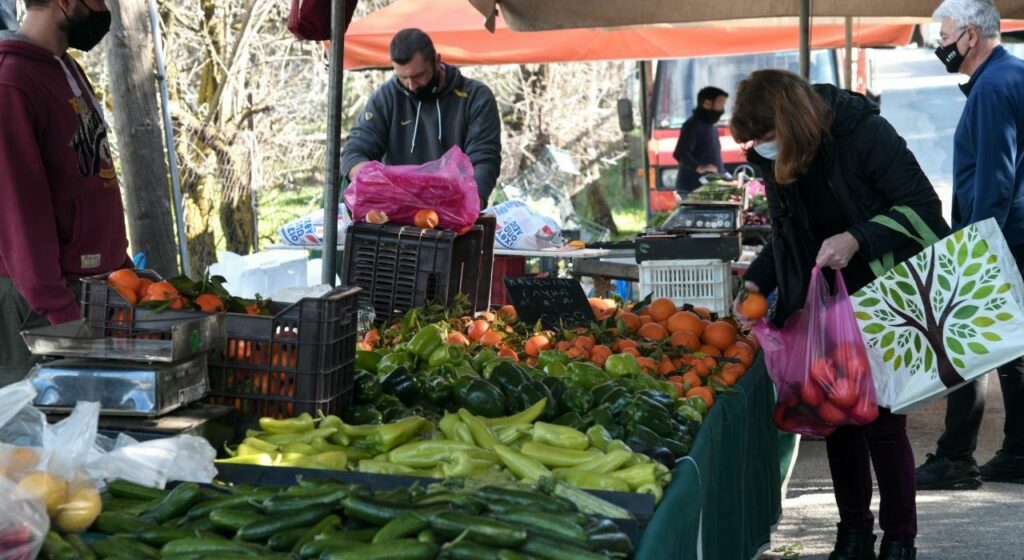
{"x": 406, "y": 123}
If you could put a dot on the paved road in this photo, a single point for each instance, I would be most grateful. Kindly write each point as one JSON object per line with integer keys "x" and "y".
{"x": 924, "y": 104}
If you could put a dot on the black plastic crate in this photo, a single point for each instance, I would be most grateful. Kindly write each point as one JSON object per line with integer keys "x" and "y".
{"x": 299, "y": 359}
{"x": 402, "y": 267}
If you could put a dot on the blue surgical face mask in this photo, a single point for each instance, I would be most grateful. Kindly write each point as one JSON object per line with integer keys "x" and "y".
{"x": 767, "y": 150}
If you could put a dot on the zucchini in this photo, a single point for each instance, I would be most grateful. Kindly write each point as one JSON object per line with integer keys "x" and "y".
{"x": 233, "y": 520}
{"x": 203, "y": 509}
{"x": 211, "y": 545}
{"x": 550, "y": 549}
{"x": 117, "y": 547}
{"x": 285, "y": 540}
{"x": 114, "y": 523}
{"x": 552, "y": 504}
{"x": 405, "y": 549}
{"x": 202, "y": 524}
{"x": 174, "y": 504}
{"x": 127, "y": 505}
{"x": 376, "y": 511}
{"x": 546, "y": 523}
{"x": 326, "y": 526}
{"x": 133, "y": 491}
{"x": 468, "y": 550}
{"x": 54, "y": 548}
{"x": 479, "y": 529}
{"x": 289, "y": 502}
{"x": 83, "y": 551}
{"x": 332, "y": 542}
{"x": 507, "y": 554}
{"x": 159, "y": 536}
{"x": 263, "y": 529}
{"x": 402, "y": 526}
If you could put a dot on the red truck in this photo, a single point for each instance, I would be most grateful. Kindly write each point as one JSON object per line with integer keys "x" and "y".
{"x": 675, "y": 92}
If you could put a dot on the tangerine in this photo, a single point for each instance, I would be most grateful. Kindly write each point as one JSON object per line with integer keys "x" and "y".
{"x": 125, "y": 278}
{"x": 709, "y": 350}
{"x": 144, "y": 284}
{"x": 426, "y": 219}
{"x": 719, "y": 334}
{"x": 631, "y": 321}
{"x": 685, "y": 340}
{"x": 477, "y": 329}
{"x": 161, "y": 291}
{"x": 213, "y": 304}
{"x": 376, "y": 217}
{"x": 653, "y": 332}
{"x": 491, "y": 339}
{"x": 685, "y": 321}
{"x": 537, "y": 344}
{"x": 661, "y": 309}
{"x": 753, "y": 305}
{"x": 507, "y": 313}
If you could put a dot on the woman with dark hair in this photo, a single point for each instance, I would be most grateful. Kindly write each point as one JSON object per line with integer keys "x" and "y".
{"x": 831, "y": 163}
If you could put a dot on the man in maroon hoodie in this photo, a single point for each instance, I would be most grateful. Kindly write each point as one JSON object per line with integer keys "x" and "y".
{"x": 61, "y": 216}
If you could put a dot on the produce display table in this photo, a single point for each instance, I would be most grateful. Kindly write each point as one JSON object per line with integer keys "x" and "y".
{"x": 215, "y": 423}
{"x": 725, "y": 496}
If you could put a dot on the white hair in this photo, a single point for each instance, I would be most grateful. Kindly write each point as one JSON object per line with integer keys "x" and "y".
{"x": 971, "y": 13}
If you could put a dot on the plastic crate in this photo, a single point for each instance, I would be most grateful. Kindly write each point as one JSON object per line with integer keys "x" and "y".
{"x": 701, "y": 283}
{"x": 402, "y": 267}
{"x": 505, "y": 266}
{"x": 299, "y": 359}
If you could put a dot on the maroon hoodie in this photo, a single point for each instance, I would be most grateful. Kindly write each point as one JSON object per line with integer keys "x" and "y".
{"x": 61, "y": 216}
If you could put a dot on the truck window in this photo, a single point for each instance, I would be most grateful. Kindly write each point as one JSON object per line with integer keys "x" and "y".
{"x": 679, "y": 80}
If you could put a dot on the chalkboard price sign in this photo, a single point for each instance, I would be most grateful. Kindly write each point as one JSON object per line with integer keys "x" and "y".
{"x": 555, "y": 302}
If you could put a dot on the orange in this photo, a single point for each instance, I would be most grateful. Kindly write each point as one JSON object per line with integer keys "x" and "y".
{"x": 177, "y": 303}
{"x": 753, "y": 305}
{"x": 599, "y": 354}
{"x": 584, "y": 342}
{"x": 705, "y": 393}
{"x": 144, "y": 284}
{"x": 653, "y": 332}
{"x": 719, "y": 334}
{"x": 647, "y": 364}
{"x": 602, "y": 308}
{"x": 537, "y": 344}
{"x": 563, "y": 345}
{"x": 631, "y": 321}
{"x": 125, "y": 278}
{"x": 376, "y": 217}
{"x": 127, "y": 294}
{"x": 364, "y": 347}
{"x": 685, "y": 321}
{"x": 685, "y": 340}
{"x": 742, "y": 353}
{"x": 507, "y": 313}
{"x": 213, "y": 304}
{"x": 710, "y": 350}
{"x": 426, "y": 219}
{"x": 161, "y": 291}
{"x": 458, "y": 339}
{"x": 491, "y": 339}
{"x": 631, "y": 350}
{"x": 703, "y": 313}
{"x": 661, "y": 309}
{"x": 477, "y": 329}
{"x": 624, "y": 343}
{"x": 692, "y": 378}
{"x": 735, "y": 370}
{"x": 665, "y": 366}
{"x": 509, "y": 353}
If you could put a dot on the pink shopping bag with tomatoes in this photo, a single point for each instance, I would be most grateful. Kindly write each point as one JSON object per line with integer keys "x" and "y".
{"x": 819, "y": 364}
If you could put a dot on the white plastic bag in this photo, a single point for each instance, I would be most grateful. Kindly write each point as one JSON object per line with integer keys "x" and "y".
{"x": 23, "y": 523}
{"x": 309, "y": 229}
{"x": 519, "y": 227}
{"x": 154, "y": 463}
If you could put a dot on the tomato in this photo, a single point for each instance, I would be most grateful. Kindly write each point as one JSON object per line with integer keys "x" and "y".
{"x": 811, "y": 394}
{"x": 843, "y": 394}
{"x": 852, "y": 361}
{"x": 864, "y": 412}
{"x": 781, "y": 421}
{"x": 823, "y": 372}
{"x": 830, "y": 414}
{"x": 477, "y": 329}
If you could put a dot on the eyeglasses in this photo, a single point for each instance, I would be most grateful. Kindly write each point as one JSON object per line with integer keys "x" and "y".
{"x": 941, "y": 41}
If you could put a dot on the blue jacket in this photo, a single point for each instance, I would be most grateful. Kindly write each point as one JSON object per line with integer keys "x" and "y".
{"x": 698, "y": 145}
{"x": 988, "y": 156}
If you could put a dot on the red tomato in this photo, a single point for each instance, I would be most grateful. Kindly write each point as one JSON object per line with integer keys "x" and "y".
{"x": 811, "y": 394}
{"x": 852, "y": 361}
{"x": 843, "y": 394}
{"x": 783, "y": 420}
{"x": 864, "y": 412}
{"x": 823, "y": 372}
{"x": 830, "y": 414}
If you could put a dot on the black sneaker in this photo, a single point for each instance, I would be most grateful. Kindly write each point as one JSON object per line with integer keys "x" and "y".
{"x": 1004, "y": 467}
{"x": 943, "y": 473}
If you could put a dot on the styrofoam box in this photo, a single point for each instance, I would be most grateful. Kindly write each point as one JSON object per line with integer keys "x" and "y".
{"x": 260, "y": 273}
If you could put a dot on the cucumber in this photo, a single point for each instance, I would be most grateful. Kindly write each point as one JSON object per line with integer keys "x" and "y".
{"x": 479, "y": 529}
{"x": 286, "y": 503}
{"x": 375, "y": 511}
{"x": 615, "y": 543}
{"x": 133, "y": 491}
{"x": 401, "y": 526}
{"x": 54, "y": 548}
{"x": 174, "y": 504}
{"x": 232, "y": 519}
{"x": 546, "y": 523}
{"x": 332, "y": 542}
{"x": 127, "y": 505}
{"x": 285, "y": 540}
{"x": 508, "y": 554}
{"x": 159, "y": 536}
{"x": 203, "y": 509}
{"x": 405, "y": 549}
{"x": 211, "y": 545}
{"x": 427, "y": 536}
{"x": 202, "y": 525}
{"x": 118, "y": 547}
{"x": 263, "y": 529}
{"x": 467, "y": 550}
{"x": 120, "y": 523}
{"x": 550, "y": 549}
{"x": 83, "y": 551}
{"x": 552, "y": 504}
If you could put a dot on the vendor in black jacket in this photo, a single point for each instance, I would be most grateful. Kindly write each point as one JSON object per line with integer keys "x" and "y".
{"x": 423, "y": 110}
{"x": 698, "y": 149}
{"x": 831, "y": 164}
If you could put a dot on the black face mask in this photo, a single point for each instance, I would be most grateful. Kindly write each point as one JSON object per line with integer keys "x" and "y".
{"x": 950, "y": 55}
{"x": 86, "y": 33}
{"x": 431, "y": 91}
{"x": 709, "y": 115}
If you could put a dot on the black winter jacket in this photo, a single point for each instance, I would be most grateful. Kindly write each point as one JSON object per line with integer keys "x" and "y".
{"x": 397, "y": 129}
{"x": 870, "y": 170}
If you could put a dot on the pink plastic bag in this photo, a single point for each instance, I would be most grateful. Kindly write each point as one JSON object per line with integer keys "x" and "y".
{"x": 445, "y": 185}
{"x": 819, "y": 364}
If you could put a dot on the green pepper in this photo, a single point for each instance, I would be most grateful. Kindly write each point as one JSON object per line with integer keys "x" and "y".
{"x": 678, "y": 445}
{"x": 599, "y": 437}
{"x": 478, "y": 397}
{"x": 588, "y": 376}
{"x": 304, "y": 437}
{"x": 640, "y": 475}
{"x": 688, "y": 412}
{"x": 559, "y": 436}
{"x": 641, "y": 437}
{"x": 616, "y": 399}
{"x": 482, "y": 434}
{"x": 572, "y": 420}
{"x": 644, "y": 412}
{"x": 667, "y": 402}
{"x": 438, "y": 390}
{"x": 454, "y": 428}
{"x": 299, "y": 447}
{"x": 491, "y": 365}
{"x": 611, "y": 461}
{"x": 463, "y": 464}
{"x": 507, "y": 376}
{"x": 446, "y": 354}
{"x": 387, "y": 402}
{"x": 557, "y": 456}
{"x": 698, "y": 404}
{"x": 427, "y": 453}
{"x": 633, "y": 383}
{"x": 362, "y": 414}
{"x": 602, "y": 415}
{"x": 393, "y": 361}
{"x": 532, "y": 392}
{"x": 508, "y": 435}
{"x": 555, "y": 386}
{"x": 446, "y": 372}
{"x": 368, "y": 360}
{"x": 335, "y": 460}
{"x": 463, "y": 369}
{"x": 530, "y": 371}
{"x": 301, "y": 423}
{"x": 428, "y": 339}
{"x": 552, "y": 357}
{"x": 389, "y": 436}
{"x": 397, "y": 413}
{"x": 578, "y": 400}
{"x": 402, "y": 384}
{"x": 374, "y": 466}
{"x": 367, "y": 387}
{"x": 652, "y": 489}
{"x": 522, "y": 466}
{"x": 618, "y": 365}
{"x": 592, "y": 480}
{"x": 527, "y": 416}
{"x": 482, "y": 358}
{"x": 556, "y": 369}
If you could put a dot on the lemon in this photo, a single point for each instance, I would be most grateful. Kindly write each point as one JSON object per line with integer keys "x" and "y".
{"x": 51, "y": 490}
{"x": 81, "y": 509}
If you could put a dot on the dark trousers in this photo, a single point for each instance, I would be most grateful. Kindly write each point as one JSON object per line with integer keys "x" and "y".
{"x": 851, "y": 452}
{"x": 966, "y": 406}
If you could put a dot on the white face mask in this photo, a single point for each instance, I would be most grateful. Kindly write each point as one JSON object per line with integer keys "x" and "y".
{"x": 767, "y": 150}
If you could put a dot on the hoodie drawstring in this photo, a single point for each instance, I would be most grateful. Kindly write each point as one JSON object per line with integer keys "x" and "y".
{"x": 439, "y": 125}
{"x": 416, "y": 127}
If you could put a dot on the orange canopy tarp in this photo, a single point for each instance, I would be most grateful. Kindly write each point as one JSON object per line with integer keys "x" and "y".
{"x": 458, "y": 34}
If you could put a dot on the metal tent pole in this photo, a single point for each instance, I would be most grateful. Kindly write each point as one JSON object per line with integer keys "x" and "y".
{"x": 805, "y": 38}
{"x": 332, "y": 185}
{"x": 645, "y": 130}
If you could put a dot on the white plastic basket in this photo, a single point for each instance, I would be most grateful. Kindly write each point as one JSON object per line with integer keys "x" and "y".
{"x": 701, "y": 283}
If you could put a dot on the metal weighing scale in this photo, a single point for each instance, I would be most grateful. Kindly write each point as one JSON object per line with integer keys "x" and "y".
{"x": 127, "y": 376}
{"x": 705, "y": 225}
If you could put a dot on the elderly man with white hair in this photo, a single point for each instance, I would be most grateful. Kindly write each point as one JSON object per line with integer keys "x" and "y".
{"x": 988, "y": 172}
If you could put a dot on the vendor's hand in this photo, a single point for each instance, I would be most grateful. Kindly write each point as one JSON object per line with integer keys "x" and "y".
{"x": 837, "y": 251}
{"x": 355, "y": 170}
{"x": 744, "y": 321}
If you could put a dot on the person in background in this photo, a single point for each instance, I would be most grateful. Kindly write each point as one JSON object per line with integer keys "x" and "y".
{"x": 423, "y": 110}
{"x": 988, "y": 174}
{"x": 698, "y": 149}
{"x": 831, "y": 163}
{"x": 61, "y": 215}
